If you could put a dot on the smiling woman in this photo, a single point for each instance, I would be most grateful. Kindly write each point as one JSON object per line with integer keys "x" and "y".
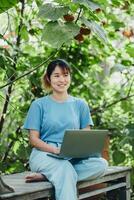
{"x": 47, "y": 120}
{"x": 57, "y": 79}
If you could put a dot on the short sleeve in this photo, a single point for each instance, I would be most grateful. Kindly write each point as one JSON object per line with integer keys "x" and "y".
{"x": 85, "y": 115}
{"x": 33, "y": 118}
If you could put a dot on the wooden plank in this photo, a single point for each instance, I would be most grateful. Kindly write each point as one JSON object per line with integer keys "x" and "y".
{"x": 99, "y": 191}
{"x": 4, "y": 188}
{"x": 29, "y": 196}
{"x": 116, "y": 169}
{"x": 103, "y": 179}
{"x": 21, "y": 188}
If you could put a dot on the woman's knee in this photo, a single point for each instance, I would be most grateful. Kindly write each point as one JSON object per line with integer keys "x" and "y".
{"x": 102, "y": 165}
{"x": 104, "y": 162}
{"x": 98, "y": 164}
{"x": 66, "y": 171}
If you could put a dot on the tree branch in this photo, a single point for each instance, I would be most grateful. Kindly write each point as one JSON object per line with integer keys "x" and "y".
{"x": 30, "y": 71}
{"x": 105, "y": 106}
{"x": 79, "y": 13}
{"x": 9, "y": 89}
{"x": 5, "y": 107}
{"x": 11, "y": 144}
{"x": 130, "y": 87}
{"x": 8, "y": 23}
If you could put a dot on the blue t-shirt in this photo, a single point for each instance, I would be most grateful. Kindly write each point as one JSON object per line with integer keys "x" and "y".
{"x": 51, "y": 118}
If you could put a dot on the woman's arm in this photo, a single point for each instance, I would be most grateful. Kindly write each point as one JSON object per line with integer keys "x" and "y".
{"x": 36, "y": 142}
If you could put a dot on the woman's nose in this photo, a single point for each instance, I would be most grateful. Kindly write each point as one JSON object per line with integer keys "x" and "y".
{"x": 62, "y": 78}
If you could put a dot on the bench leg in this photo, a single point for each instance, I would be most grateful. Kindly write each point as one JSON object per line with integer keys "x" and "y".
{"x": 122, "y": 194}
{"x": 125, "y": 193}
{"x": 128, "y": 194}
{"x": 128, "y": 187}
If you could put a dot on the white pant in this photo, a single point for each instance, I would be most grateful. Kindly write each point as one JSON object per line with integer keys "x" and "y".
{"x": 64, "y": 174}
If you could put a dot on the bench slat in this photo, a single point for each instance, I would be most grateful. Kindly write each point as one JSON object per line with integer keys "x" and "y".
{"x": 99, "y": 191}
{"x": 103, "y": 179}
{"x": 22, "y": 189}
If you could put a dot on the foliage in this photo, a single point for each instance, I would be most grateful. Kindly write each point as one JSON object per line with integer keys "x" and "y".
{"x": 96, "y": 39}
{"x": 5, "y": 5}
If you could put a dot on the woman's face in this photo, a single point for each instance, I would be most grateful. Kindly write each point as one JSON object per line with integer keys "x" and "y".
{"x": 60, "y": 80}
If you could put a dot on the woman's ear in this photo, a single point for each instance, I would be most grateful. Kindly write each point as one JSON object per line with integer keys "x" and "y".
{"x": 48, "y": 79}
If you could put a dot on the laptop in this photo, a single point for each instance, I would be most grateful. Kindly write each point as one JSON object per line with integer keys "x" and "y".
{"x": 81, "y": 143}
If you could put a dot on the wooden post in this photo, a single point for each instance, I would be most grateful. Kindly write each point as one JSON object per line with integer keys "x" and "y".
{"x": 128, "y": 193}
{"x": 125, "y": 193}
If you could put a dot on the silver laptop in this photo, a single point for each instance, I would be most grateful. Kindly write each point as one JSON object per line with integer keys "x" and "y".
{"x": 81, "y": 143}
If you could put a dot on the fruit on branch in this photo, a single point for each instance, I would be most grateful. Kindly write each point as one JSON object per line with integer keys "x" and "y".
{"x": 85, "y": 31}
{"x": 79, "y": 37}
{"x": 68, "y": 18}
{"x": 98, "y": 10}
{"x": 128, "y": 33}
{"x": 104, "y": 23}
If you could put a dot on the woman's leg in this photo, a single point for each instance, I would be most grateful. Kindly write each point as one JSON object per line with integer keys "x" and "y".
{"x": 90, "y": 168}
{"x": 59, "y": 172}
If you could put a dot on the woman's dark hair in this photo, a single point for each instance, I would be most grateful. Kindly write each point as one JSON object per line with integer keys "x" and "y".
{"x": 51, "y": 67}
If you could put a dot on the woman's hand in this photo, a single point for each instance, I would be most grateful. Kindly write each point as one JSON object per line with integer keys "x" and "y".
{"x": 56, "y": 150}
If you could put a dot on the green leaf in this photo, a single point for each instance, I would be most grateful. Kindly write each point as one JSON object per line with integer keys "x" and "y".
{"x": 130, "y": 49}
{"x": 95, "y": 28}
{"x": 130, "y": 128}
{"x": 24, "y": 33}
{"x": 16, "y": 166}
{"x": 55, "y": 34}
{"x": 6, "y": 4}
{"x": 118, "y": 157}
{"x": 126, "y": 62}
{"x": 23, "y": 151}
{"x": 117, "y": 24}
{"x": 52, "y": 11}
{"x": 89, "y": 4}
{"x": 16, "y": 146}
{"x": 29, "y": 49}
{"x": 117, "y": 3}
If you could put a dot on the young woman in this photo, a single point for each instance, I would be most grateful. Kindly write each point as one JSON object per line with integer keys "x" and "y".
{"x": 47, "y": 120}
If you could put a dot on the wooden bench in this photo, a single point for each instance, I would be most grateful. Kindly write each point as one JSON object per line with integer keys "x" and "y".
{"x": 116, "y": 178}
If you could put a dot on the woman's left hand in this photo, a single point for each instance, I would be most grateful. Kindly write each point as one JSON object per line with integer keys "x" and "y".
{"x": 56, "y": 150}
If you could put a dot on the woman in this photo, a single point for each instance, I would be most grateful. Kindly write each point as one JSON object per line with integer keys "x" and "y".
{"x": 47, "y": 120}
